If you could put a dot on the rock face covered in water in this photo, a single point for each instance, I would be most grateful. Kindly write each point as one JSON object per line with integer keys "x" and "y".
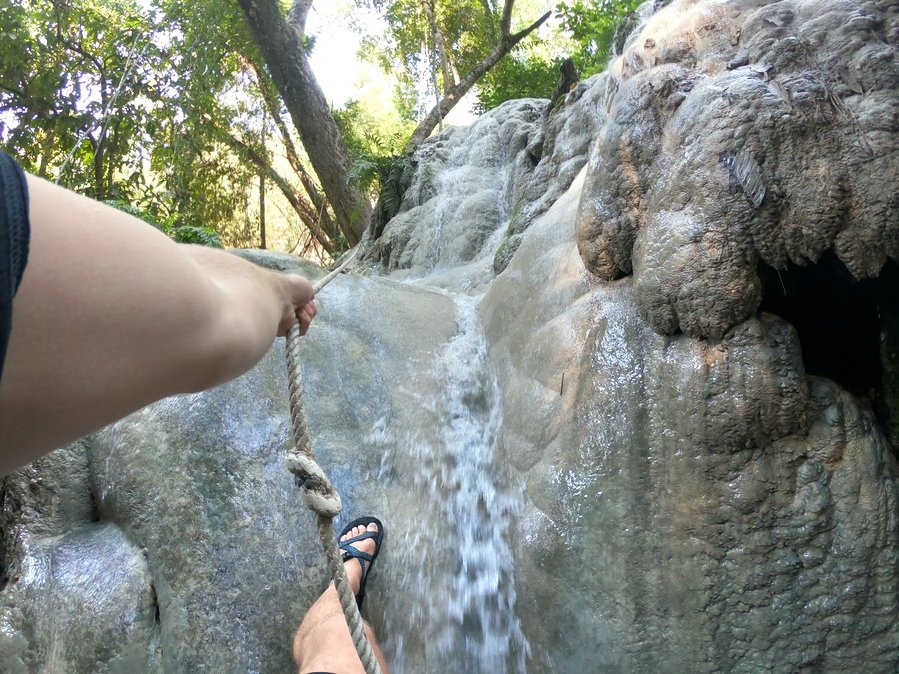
{"x": 603, "y": 458}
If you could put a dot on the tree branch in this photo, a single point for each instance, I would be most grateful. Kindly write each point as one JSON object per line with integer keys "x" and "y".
{"x": 520, "y": 35}
{"x": 439, "y": 46}
{"x": 313, "y": 191}
{"x": 297, "y": 16}
{"x": 505, "y": 24}
{"x": 81, "y": 51}
{"x": 506, "y": 44}
{"x": 306, "y": 211}
{"x": 289, "y": 67}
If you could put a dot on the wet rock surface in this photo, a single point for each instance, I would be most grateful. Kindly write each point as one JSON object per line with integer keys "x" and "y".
{"x": 710, "y": 492}
{"x": 743, "y": 132}
{"x": 464, "y": 186}
{"x": 604, "y": 458}
{"x": 179, "y": 542}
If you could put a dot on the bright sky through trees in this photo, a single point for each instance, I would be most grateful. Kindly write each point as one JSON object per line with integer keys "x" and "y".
{"x": 342, "y": 75}
{"x": 334, "y": 58}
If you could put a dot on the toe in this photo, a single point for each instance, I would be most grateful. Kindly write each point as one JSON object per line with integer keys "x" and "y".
{"x": 354, "y": 566}
{"x": 368, "y": 545}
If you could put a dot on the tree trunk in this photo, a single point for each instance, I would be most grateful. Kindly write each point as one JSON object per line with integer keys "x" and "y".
{"x": 286, "y": 59}
{"x": 46, "y": 151}
{"x": 309, "y": 215}
{"x": 313, "y": 191}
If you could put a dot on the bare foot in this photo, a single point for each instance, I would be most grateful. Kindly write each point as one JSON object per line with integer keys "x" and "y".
{"x": 352, "y": 566}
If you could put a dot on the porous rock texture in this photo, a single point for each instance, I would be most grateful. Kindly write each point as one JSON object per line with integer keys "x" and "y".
{"x": 465, "y": 185}
{"x": 602, "y": 459}
{"x": 742, "y": 132}
{"x": 453, "y": 214}
{"x": 689, "y": 505}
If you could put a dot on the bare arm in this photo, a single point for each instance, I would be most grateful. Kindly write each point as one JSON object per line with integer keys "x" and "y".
{"x": 112, "y": 315}
{"x": 261, "y": 304}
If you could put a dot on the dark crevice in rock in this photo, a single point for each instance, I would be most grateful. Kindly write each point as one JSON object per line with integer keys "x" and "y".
{"x": 157, "y": 621}
{"x": 848, "y": 329}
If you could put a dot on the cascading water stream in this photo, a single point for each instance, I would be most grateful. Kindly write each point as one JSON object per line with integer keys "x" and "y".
{"x": 463, "y": 606}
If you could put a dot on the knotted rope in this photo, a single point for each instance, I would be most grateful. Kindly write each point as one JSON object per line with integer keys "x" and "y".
{"x": 318, "y": 493}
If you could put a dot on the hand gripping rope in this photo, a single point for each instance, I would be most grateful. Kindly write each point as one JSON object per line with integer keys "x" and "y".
{"x": 318, "y": 493}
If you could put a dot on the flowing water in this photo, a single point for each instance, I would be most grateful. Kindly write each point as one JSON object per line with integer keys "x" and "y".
{"x": 458, "y": 567}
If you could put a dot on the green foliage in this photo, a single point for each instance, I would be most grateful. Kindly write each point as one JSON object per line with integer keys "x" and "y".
{"x": 367, "y": 134}
{"x": 204, "y": 236}
{"x": 379, "y": 167}
{"x": 592, "y": 26}
{"x": 519, "y": 75}
{"x": 376, "y": 149}
{"x": 470, "y": 29}
{"x": 62, "y": 65}
{"x": 129, "y": 97}
{"x": 386, "y": 176}
{"x": 131, "y": 209}
{"x": 209, "y": 90}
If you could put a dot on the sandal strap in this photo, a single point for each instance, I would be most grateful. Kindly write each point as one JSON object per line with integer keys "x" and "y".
{"x": 350, "y": 552}
{"x": 353, "y": 553}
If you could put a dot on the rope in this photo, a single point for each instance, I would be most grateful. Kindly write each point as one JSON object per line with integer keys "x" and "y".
{"x": 318, "y": 493}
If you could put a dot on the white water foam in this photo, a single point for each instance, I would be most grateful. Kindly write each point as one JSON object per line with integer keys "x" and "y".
{"x": 465, "y": 618}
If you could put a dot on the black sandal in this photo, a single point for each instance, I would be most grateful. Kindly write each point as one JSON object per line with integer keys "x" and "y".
{"x": 365, "y": 560}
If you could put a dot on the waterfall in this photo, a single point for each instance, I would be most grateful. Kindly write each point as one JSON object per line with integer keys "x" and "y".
{"x": 463, "y": 608}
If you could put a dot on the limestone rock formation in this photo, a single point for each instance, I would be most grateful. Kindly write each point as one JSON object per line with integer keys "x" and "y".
{"x": 745, "y": 132}
{"x": 461, "y": 187}
{"x": 661, "y": 439}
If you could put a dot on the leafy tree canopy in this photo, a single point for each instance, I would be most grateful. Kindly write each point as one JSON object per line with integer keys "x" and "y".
{"x": 117, "y": 100}
{"x": 61, "y": 67}
{"x": 412, "y": 47}
{"x": 168, "y": 105}
{"x": 525, "y": 74}
{"x": 592, "y": 26}
{"x": 429, "y": 44}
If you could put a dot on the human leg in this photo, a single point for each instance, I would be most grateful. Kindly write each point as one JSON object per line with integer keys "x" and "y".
{"x": 323, "y": 642}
